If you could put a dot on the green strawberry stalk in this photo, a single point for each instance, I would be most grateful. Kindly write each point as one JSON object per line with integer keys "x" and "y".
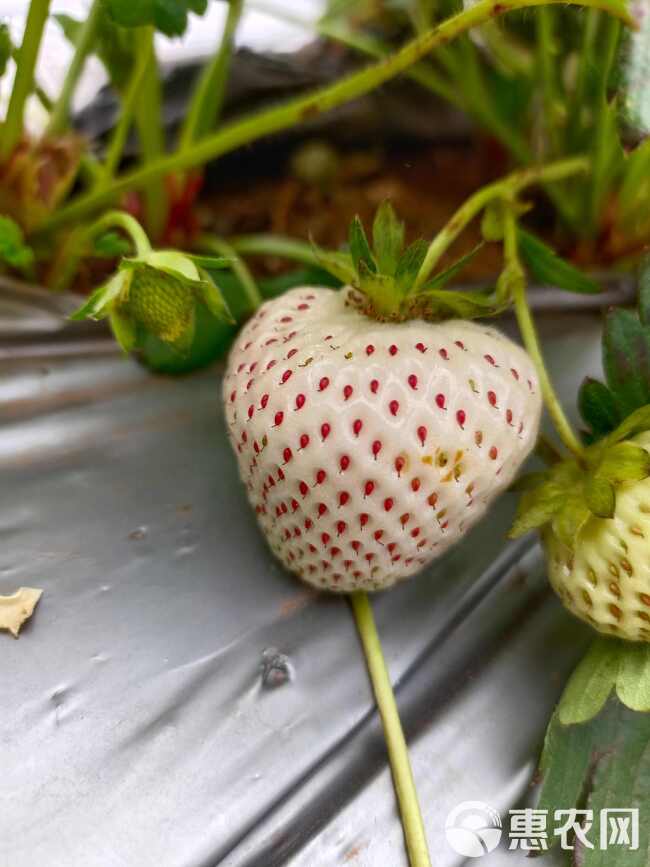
{"x": 414, "y": 833}
{"x": 12, "y": 128}
{"x": 514, "y": 281}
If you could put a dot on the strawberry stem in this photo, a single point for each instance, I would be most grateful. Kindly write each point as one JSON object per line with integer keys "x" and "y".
{"x": 76, "y": 247}
{"x": 120, "y": 132}
{"x": 12, "y": 128}
{"x": 207, "y": 99}
{"x": 275, "y": 245}
{"x": 529, "y": 335}
{"x": 239, "y": 267}
{"x": 412, "y": 824}
{"x": 59, "y": 117}
{"x": 505, "y": 188}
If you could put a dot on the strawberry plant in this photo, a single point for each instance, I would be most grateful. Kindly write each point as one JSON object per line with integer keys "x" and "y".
{"x": 375, "y": 421}
{"x": 543, "y": 87}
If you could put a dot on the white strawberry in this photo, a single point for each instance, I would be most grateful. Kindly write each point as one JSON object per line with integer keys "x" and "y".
{"x": 594, "y": 516}
{"x": 368, "y": 447}
{"x": 604, "y": 577}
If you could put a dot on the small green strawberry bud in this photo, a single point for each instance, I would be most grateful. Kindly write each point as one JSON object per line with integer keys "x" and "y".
{"x": 156, "y": 293}
{"x": 160, "y": 303}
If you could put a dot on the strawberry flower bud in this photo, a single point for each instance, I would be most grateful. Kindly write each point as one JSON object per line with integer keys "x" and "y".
{"x": 156, "y": 292}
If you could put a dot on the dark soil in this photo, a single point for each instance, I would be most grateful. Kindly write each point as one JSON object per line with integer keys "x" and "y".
{"x": 425, "y": 185}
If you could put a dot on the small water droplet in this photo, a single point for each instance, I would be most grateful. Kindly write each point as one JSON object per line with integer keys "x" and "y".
{"x": 138, "y": 534}
{"x": 276, "y": 668}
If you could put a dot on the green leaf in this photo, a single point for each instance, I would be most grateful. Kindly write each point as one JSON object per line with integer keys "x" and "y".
{"x": 443, "y": 277}
{"x": 637, "y": 422}
{"x": 624, "y": 462}
{"x": 409, "y": 265}
{"x": 633, "y": 679}
{"x": 387, "y": 238}
{"x": 13, "y": 250}
{"x": 597, "y": 765}
{"x": 111, "y": 245}
{"x": 564, "y": 765}
{"x": 644, "y": 287}
{"x": 591, "y": 683}
{"x": 626, "y": 359}
{"x": 549, "y": 269}
{"x": 598, "y": 407}
{"x": 600, "y": 496}
{"x": 168, "y": 16}
{"x": 359, "y": 247}
{"x": 6, "y": 48}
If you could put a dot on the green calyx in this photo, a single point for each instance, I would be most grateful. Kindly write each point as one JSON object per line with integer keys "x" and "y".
{"x": 570, "y": 492}
{"x": 157, "y": 293}
{"x": 385, "y": 275}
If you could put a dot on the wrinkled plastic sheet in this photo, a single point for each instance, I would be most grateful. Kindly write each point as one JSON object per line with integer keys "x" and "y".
{"x": 177, "y": 699}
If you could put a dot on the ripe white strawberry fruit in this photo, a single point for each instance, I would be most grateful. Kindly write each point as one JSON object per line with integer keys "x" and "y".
{"x": 604, "y": 578}
{"x": 368, "y": 447}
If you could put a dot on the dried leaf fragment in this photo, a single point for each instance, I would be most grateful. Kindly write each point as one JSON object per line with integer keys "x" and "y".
{"x": 17, "y": 608}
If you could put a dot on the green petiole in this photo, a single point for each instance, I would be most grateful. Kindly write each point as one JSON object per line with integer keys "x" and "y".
{"x": 529, "y": 334}
{"x": 207, "y": 100}
{"x": 75, "y": 249}
{"x": 239, "y": 267}
{"x": 59, "y": 116}
{"x": 506, "y": 188}
{"x": 26, "y": 57}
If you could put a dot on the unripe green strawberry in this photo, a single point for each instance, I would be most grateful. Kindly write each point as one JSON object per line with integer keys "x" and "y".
{"x": 156, "y": 293}
{"x": 161, "y": 303}
{"x": 605, "y": 577}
